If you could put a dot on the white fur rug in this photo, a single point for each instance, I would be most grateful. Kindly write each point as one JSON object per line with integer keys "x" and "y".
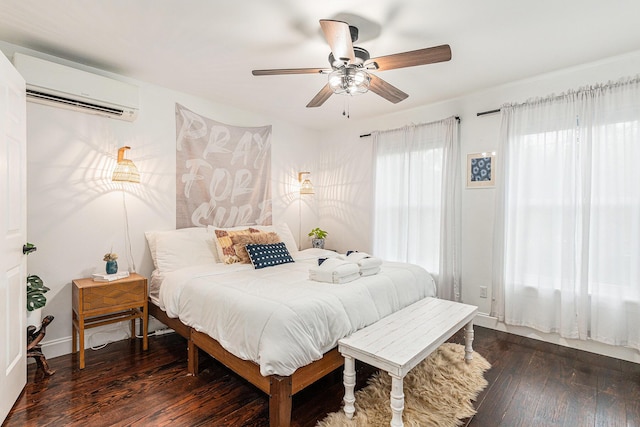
{"x": 438, "y": 392}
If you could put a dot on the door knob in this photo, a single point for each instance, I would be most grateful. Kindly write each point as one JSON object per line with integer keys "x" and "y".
{"x": 28, "y": 248}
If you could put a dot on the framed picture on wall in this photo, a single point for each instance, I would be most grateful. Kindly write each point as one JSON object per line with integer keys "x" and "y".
{"x": 481, "y": 171}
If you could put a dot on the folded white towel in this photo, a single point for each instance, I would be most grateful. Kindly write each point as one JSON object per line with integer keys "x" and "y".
{"x": 353, "y": 256}
{"x": 369, "y": 271}
{"x": 371, "y": 262}
{"x": 333, "y": 270}
{"x": 328, "y": 278}
{"x": 368, "y": 265}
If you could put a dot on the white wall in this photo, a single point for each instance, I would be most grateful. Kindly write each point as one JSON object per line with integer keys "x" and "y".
{"x": 345, "y": 210}
{"x": 75, "y": 213}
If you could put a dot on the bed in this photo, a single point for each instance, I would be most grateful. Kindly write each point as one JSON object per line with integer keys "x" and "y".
{"x": 272, "y": 326}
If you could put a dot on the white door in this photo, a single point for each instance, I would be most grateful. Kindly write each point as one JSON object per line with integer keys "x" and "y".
{"x": 13, "y": 234}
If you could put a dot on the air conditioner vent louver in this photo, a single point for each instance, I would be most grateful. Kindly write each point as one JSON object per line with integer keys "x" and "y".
{"x": 57, "y": 85}
{"x": 72, "y": 102}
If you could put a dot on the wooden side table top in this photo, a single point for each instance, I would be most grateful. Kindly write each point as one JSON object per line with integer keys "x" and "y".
{"x": 88, "y": 282}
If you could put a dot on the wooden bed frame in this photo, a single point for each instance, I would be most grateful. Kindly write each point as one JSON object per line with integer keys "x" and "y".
{"x": 280, "y": 389}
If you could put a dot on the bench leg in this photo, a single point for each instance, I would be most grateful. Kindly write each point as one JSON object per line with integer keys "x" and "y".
{"x": 468, "y": 339}
{"x": 397, "y": 401}
{"x": 349, "y": 380}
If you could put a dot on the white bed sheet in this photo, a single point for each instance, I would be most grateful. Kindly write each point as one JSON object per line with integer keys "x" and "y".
{"x": 279, "y": 318}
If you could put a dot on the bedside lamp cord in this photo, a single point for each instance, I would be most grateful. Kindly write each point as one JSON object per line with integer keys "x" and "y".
{"x": 127, "y": 237}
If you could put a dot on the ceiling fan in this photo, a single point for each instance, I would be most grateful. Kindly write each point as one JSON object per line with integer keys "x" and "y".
{"x": 350, "y": 65}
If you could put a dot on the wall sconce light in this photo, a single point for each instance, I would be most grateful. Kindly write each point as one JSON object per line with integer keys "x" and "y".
{"x": 126, "y": 170}
{"x": 305, "y": 186}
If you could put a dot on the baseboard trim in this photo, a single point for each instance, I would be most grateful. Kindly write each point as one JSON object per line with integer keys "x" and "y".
{"x": 623, "y": 353}
{"x": 94, "y": 337}
{"x": 62, "y": 346}
{"x": 57, "y": 347}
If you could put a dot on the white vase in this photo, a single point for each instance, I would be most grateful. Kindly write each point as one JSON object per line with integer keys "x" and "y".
{"x": 34, "y": 318}
{"x": 317, "y": 243}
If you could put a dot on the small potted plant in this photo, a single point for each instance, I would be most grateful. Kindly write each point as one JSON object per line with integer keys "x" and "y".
{"x": 112, "y": 264}
{"x": 318, "y": 237}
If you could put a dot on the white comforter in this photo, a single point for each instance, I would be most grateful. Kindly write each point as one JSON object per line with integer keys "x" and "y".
{"x": 279, "y": 318}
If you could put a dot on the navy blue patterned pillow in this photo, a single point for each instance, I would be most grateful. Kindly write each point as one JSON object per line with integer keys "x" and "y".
{"x": 268, "y": 255}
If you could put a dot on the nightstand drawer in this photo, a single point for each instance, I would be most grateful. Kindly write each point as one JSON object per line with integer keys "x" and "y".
{"x": 115, "y": 294}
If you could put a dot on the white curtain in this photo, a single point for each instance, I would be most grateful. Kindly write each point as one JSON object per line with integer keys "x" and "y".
{"x": 567, "y": 241}
{"x": 417, "y": 200}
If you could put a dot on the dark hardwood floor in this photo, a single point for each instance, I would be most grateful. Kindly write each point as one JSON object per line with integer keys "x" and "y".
{"x": 531, "y": 383}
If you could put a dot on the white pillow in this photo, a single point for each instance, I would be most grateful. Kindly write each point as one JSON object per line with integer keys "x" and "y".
{"x": 286, "y": 236}
{"x": 175, "y": 249}
{"x": 151, "y": 241}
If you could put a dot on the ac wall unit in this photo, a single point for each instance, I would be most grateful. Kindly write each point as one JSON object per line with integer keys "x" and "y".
{"x": 61, "y": 86}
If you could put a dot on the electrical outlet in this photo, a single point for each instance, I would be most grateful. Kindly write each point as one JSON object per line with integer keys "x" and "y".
{"x": 483, "y": 291}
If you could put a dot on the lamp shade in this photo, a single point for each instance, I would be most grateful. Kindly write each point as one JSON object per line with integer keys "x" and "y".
{"x": 305, "y": 186}
{"x": 126, "y": 170}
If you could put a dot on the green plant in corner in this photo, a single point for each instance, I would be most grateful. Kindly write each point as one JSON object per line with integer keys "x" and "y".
{"x": 35, "y": 286}
{"x": 318, "y": 233}
{"x": 35, "y": 293}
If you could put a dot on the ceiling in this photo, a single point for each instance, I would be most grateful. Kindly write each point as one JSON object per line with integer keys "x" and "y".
{"x": 208, "y": 48}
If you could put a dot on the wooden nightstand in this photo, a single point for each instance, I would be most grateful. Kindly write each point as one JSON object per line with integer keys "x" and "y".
{"x": 101, "y": 303}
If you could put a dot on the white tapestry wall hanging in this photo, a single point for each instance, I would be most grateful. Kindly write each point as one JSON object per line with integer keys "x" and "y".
{"x": 223, "y": 172}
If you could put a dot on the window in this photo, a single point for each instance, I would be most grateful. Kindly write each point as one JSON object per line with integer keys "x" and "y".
{"x": 417, "y": 183}
{"x": 568, "y": 221}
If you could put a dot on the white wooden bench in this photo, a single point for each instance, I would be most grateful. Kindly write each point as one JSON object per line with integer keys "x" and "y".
{"x": 400, "y": 341}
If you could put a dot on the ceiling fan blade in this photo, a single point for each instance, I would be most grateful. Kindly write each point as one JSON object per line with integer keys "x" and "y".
{"x": 386, "y": 90}
{"x": 321, "y": 97}
{"x": 425, "y": 56}
{"x": 289, "y": 71}
{"x": 338, "y": 36}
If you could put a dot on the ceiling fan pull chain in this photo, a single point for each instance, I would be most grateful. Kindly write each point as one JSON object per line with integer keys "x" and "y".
{"x": 345, "y": 108}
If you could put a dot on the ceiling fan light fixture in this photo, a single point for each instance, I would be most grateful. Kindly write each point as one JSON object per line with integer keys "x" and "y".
{"x": 349, "y": 81}
{"x": 350, "y": 64}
